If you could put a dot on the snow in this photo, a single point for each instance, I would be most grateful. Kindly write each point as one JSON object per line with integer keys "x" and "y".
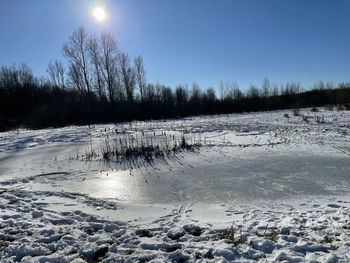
{"x": 262, "y": 188}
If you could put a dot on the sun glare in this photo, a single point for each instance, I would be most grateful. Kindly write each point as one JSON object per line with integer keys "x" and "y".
{"x": 99, "y": 13}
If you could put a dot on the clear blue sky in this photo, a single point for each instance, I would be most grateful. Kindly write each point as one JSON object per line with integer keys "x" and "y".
{"x": 193, "y": 40}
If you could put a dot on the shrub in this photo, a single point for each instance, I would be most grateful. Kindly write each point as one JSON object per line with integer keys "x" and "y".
{"x": 296, "y": 112}
{"x": 231, "y": 235}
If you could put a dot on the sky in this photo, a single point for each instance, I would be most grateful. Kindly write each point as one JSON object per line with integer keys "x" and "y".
{"x": 182, "y": 41}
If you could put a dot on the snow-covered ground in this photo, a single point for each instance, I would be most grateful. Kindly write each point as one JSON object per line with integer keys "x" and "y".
{"x": 264, "y": 187}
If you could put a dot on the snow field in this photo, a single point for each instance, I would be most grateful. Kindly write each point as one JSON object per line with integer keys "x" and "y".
{"x": 263, "y": 188}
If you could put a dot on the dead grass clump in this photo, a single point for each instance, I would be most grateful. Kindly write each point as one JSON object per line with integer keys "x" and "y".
{"x": 144, "y": 145}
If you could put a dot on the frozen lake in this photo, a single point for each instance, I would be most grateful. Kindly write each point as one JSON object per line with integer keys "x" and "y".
{"x": 193, "y": 177}
{"x": 282, "y": 183}
{"x": 248, "y": 157}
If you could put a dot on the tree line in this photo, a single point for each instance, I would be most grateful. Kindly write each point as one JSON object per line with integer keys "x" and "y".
{"x": 99, "y": 83}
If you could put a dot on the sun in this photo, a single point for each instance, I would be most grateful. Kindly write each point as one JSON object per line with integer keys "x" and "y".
{"x": 99, "y": 13}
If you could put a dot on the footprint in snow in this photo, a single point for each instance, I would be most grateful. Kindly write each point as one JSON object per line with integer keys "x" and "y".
{"x": 334, "y": 205}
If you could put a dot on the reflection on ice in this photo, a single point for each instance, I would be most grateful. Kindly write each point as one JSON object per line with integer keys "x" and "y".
{"x": 114, "y": 184}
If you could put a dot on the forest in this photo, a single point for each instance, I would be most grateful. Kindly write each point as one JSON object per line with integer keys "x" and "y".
{"x": 99, "y": 83}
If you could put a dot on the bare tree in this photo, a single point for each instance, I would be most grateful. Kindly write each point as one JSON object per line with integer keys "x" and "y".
{"x": 266, "y": 86}
{"x": 232, "y": 91}
{"x": 167, "y": 97}
{"x": 109, "y": 65}
{"x": 291, "y": 88}
{"x": 253, "y": 92}
{"x": 25, "y": 75}
{"x": 227, "y": 90}
{"x": 158, "y": 91}
{"x": 275, "y": 90}
{"x": 196, "y": 94}
{"x": 120, "y": 92}
{"x": 223, "y": 90}
{"x": 210, "y": 95}
{"x": 140, "y": 76}
{"x": 76, "y": 51}
{"x": 128, "y": 76}
{"x": 55, "y": 70}
{"x": 181, "y": 97}
{"x": 95, "y": 57}
{"x": 75, "y": 78}
{"x": 237, "y": 93}
{"x": 149, "y": 93}
{"x": 8, "y": 76}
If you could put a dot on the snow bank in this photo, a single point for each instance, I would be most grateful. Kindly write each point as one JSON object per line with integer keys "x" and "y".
{"x": 295, "y": 232}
